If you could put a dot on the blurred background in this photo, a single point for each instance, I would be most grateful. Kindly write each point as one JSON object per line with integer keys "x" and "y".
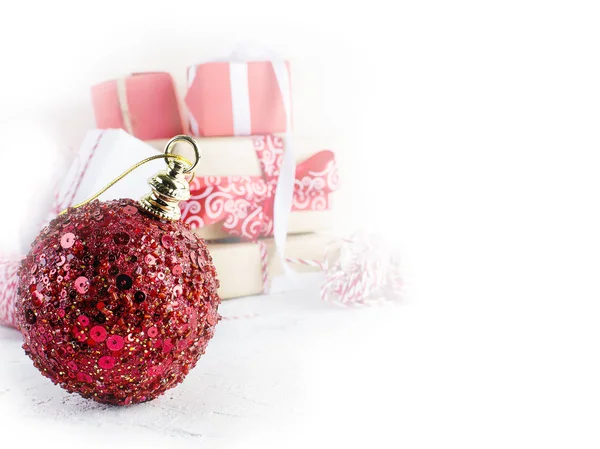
{"x": 467, "y": 134}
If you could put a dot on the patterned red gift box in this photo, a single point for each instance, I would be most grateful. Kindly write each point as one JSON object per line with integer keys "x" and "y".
{"x": 236, "y": 199}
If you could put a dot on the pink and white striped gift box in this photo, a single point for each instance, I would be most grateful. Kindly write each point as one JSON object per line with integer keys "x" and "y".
{"x": 238, "y": 98}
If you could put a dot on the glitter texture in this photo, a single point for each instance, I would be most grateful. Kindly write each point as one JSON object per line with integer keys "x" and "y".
{"x": 116, "y": 305}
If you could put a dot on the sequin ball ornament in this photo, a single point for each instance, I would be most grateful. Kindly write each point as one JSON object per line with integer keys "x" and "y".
{"x": 116, "y": 304}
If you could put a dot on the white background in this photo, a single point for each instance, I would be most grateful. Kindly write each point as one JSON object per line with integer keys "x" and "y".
{"x": 471, "y": 139}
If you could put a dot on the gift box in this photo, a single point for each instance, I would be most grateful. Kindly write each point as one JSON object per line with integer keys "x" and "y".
{"x": 143, "y": 104}
{"x": 238, "y": 98}
{"x": 247, "y": 268}
{"x": 234, "y": 186}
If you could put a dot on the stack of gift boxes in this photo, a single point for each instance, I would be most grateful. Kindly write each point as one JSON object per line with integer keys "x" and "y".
{"x": 239, "y": 113}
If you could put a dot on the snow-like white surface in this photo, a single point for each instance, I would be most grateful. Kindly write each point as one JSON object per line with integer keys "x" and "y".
{"x": 262, "y": 380}
{"x": 427, "y": 373}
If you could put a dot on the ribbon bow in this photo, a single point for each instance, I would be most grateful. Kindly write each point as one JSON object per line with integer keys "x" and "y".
{"x": 245, "y": 203}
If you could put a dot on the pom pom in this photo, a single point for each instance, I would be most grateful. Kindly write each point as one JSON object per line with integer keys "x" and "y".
{"x": 367, "y": 272}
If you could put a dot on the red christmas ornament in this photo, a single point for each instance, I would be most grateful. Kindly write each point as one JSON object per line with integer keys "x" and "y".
{"x": 116, "y": 304}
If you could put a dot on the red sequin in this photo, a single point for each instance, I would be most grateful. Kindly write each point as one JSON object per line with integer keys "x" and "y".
{"x": 67, "y": 240}
{"x": 116, "y": 335}
{"x": 115, "y": 343}
{"x": 106, "y": 362}
{"x": 81, "y": 284}
{"x": 82, "y": 377}
{"x": 152, "y": 332}
{"x": 167, "y": 241}
{"x": 98, "y": 334}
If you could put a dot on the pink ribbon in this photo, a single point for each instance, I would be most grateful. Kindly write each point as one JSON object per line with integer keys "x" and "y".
{"x": 245, "y": 204}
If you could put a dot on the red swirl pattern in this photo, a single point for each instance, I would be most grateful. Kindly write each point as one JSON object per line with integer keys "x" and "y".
{"x": 244, "y": 204}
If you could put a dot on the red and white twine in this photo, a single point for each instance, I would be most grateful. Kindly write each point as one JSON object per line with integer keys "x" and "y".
{"x": 308, "y": 262}
{"x": 9, "y": 281}
{"x": 264, "y": 265}
{"x": 71, "y": 191}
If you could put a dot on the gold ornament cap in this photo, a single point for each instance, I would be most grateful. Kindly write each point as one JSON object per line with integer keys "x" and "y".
{"x": 169, "y": 187}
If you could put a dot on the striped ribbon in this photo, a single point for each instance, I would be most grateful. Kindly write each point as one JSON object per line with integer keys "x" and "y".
{"x": 264, "y": 265}
{"x": 9, "y": 282}
{"x": 124, "y": 104}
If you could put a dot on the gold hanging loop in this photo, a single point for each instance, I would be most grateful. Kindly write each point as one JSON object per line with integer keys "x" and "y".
{"x": 168, "y": 187}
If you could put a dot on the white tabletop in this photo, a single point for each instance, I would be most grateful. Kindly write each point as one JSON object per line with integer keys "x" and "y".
{"x": 298, "y": 369}
{"x": 421, "y": 373}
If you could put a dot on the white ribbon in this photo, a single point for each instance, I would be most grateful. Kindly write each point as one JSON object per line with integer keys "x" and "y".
{"x": 193, "y": 123}
{"x": 240, "y": 99}
{"x": 284, "y": 193}
{"x": 105, "y": 154}
{"x": 124, "y": 104}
